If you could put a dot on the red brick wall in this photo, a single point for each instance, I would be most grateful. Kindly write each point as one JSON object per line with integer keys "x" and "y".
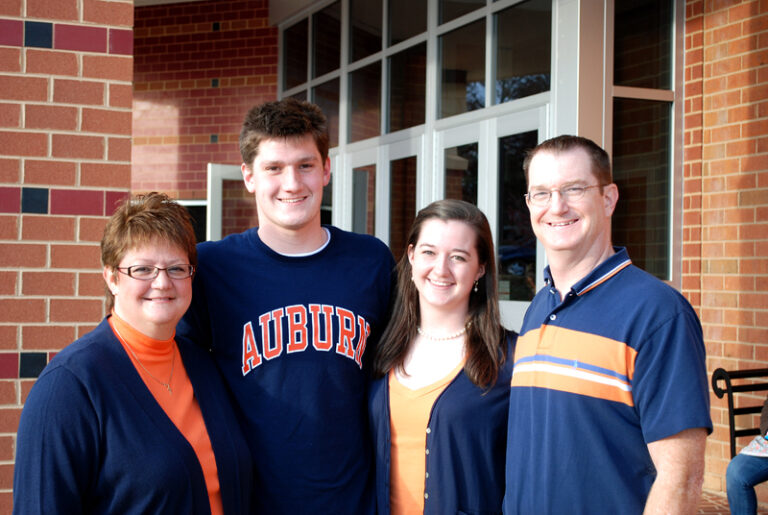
{"x": 725, "y": 233}
{"x": 65, "y": 140}
{"x": 198, "y": 68}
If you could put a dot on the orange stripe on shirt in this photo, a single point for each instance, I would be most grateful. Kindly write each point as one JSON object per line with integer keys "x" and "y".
{"x": 605, "y": 277}
{"x": 572, "y": 361}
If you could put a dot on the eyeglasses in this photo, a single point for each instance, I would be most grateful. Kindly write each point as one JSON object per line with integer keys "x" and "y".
{"x": 569, "y": 194}
{"x": 148, "y": 272}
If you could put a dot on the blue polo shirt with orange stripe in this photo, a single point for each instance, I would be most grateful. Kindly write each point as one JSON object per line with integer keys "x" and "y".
{"x": 618, "y": 363}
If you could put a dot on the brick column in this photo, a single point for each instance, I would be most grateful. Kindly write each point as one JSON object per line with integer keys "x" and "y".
{"x": 66, "y": 70}
{"x": 726, "y": 197}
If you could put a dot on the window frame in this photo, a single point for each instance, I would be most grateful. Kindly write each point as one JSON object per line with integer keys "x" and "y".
{"x": 581, "y": 78}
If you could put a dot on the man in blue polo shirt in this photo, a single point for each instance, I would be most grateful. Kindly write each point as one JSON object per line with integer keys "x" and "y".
{"x": 609, "y": 404}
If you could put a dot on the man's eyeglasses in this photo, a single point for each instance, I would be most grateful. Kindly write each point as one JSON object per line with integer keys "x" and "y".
{"x": 148, "y": 272}
{"x": 569, "y": 193}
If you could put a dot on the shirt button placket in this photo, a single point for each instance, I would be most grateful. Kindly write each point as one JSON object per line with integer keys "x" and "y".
{"x": 426, "y": 475}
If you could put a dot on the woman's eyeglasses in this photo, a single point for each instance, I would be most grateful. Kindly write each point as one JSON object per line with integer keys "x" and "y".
{"x": 148, "y": 272}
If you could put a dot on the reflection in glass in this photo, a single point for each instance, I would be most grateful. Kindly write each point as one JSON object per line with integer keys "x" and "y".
{"x": 406, "y": 19}
{"x": 516, "y": 241}
{"x": 300, "y": 95}
{"x": 523, "y": 40}
{"x": 326, "y": 96}
{"x": 238, "y": 210}
{"x": 643, "y": 43}
{"x": 641, "y": 170}
{"x": 295, "y": 55}
{"x": 365, "y": 28}
{"x": 407, "y": 88}
{"x": 326, "y": 205}
{"x": 364, "y": 199}
{"x": 326, "y": 40}
{"x": 462, "y": 59}
{"x": 451, "y": 9}
{"x": 402, "y": 204}
{"x": 364, "y": 102}
{"x": 198, "y": 214}
{"x": 461, "y": 172}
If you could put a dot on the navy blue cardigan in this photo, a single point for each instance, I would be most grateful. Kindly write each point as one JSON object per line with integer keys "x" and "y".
{"x": 466, "y": 440}
{"x": 92, "y": 438}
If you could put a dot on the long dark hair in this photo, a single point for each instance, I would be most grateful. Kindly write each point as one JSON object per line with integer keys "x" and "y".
{"x": 485, "y": 334}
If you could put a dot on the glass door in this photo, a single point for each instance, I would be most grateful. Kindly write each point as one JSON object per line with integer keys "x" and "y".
{"x": 481, "y": 162}
{"x": 383, "y": 185}
{"x": 404, "y": 174}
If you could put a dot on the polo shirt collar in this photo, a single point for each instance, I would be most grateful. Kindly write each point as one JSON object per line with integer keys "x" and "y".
{"x": 604, "y": 271}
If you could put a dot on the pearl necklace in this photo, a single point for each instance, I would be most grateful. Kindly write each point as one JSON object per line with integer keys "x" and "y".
{"x": 441, "y": 338}
{"x": 167, "y": 385}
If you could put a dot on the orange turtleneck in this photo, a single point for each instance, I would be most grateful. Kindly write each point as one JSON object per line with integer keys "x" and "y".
{"x": 182, "y": 408}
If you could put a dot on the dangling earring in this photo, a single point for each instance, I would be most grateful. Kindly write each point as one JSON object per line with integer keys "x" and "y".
{"x": 475, "y": 286}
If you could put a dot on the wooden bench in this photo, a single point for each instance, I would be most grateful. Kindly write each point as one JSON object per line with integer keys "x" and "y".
{"x": 727, "y": 377}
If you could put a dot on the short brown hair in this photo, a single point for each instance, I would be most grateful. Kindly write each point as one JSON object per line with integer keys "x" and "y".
{"x": 144, "y": 220}
{"x": 601, "y": 163}
{"x": 282, "y": 119}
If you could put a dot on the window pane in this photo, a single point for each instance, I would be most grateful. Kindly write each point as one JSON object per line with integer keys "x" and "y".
{"x": 326, "y": 40}
{"x": 461, "y": 173}
{"x": 300, "y": 95}
{"x": 451, "y": 9}
{"x": 326, "y": 206}
{"x": 407, "y": 88}
{"x": 365, "y": 28}
{"x": 517, "y": 243}
{"x": 198, "y": 214}
{"x": 641, "y": 169}
{"x": 462, "y": 55}
{"x": 364, "y": 199}
{"x": 364, "y": 102}
{"x": 406, "y": 19}
{"x": 523, "y": 42}
{"x": 402, "y": 206}
{"x": 295, "y": 40}
{"x": 643, "y": 44}
{"x": 326, "y": 96}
